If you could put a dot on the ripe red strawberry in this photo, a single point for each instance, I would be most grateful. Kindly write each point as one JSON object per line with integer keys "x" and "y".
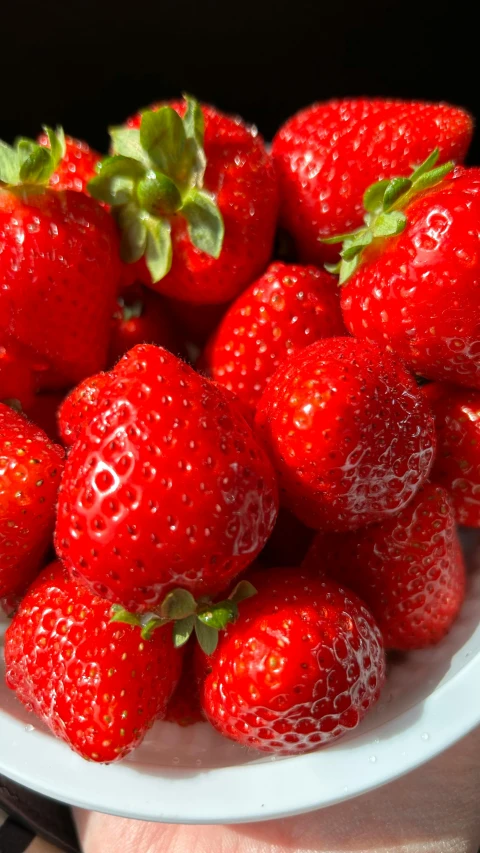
{"x": 30, "y": 470}
{"x": 289, "y": 307}
{"x": 198, "y": 203}
{"x": 184, "y": 706}
{"x": 457, "y": 463}
{"x": 409, "y": 569}
{"x": 17, "y": 378}
{"x": 167, "y": 486}
{"x": 329, "y": 153}
{"x": 416, "y": 288}
{"x": 95, "y": 683}
{"x": 349, "y": 432}
{"x": 79, "y": 407}
{"x": 141, "y": 317}
{"x": 77, "y": 166}
{"x": 300, "y": 667}
{"x": 59, "y": 267}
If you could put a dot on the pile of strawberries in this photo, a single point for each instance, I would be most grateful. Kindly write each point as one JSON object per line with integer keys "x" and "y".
{"x": 251, "y": 476}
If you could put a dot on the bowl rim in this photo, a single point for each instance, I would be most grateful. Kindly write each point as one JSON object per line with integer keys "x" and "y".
{"x": 254, "y": 791}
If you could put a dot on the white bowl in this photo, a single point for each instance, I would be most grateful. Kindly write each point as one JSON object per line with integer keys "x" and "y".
{"x": 432, "y": 699}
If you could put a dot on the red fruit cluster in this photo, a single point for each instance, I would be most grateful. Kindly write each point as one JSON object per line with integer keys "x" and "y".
{"x": 241, "y": 540}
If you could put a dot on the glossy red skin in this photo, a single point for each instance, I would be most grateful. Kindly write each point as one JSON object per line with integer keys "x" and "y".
{"x": 301, "y": 666}
{"x": 409, "y": 570}
{"x": 76, "y": 168}
{"x": 286, "y": 309}
{"x": 184, "y": 706}
{"x": 153, "y": 326}
{"x": 328, "y": 154}
{"x": 95, "y": 683}
{"x": 289, "y": 542}
{"x": 59, "y": 270}
{"x": 241, "y": 175}
{"x": 457, "y": 463}
{"x": 419, "y": 293}
{"x": 30, "y": 471}
{"x": 166, "y": 487}
{"x": 197, "y": 322}
{"x": 79, "y": 407}
{"x": 17, "y": 378}
{"x": 350, "y": 434}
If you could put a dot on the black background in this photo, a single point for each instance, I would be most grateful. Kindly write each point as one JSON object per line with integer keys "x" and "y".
{"x": 86, "y": 64}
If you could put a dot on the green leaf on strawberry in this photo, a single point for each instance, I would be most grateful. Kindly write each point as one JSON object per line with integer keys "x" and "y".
{"x": 219, "y": 615}
{"x": 242, "y": 591}
{"x": 158, "y": 250}
{"x": 179, "y": 607}
{"x": 384, "y": 202}
{"x": 28, "y": 162}
{"x": 205, "y": 223}
{"x": 178, "y": 604}
{"x": 162, "y": 166}
{"x": 206, "y": 636}
{"x": 182, "y": 630}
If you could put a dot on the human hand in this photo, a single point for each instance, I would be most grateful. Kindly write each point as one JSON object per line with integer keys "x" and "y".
{"x": 435, "y": 809}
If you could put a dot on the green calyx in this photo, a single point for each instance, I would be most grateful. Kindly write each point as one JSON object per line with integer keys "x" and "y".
{"x": 28, "y": 162}
{"x": 155, "y": 172}
{"x": 187, "y": 615}
{"x": 384, "y": 203}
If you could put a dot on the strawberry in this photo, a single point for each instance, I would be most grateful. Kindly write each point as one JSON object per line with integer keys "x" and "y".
{"x": 30, "y": 470}
{"x": 289, "y": 307}
{"x": 184, "y": 706}
{"x": 242, "y": 408}
{"x": 94, "y": 682}
{"x": 166, "y": 486}
{"x": 349, "y": 432}
{"x": 79, "y": 407}
{"x": 300, "y": 667}
{"x": 77, "y": 166}
{"x": 59, "y": 266}
{"x": 409, "y": 569}
{"x": 197, "y": 200}
{"x": 329, "y": 153}
{"x": 141, "y": 317}
{"x": 457, "y": 463}
{"x": 411, "y": 275}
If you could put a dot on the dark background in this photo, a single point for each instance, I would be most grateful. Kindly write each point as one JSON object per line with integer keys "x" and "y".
{"x": 86, "y": 64}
